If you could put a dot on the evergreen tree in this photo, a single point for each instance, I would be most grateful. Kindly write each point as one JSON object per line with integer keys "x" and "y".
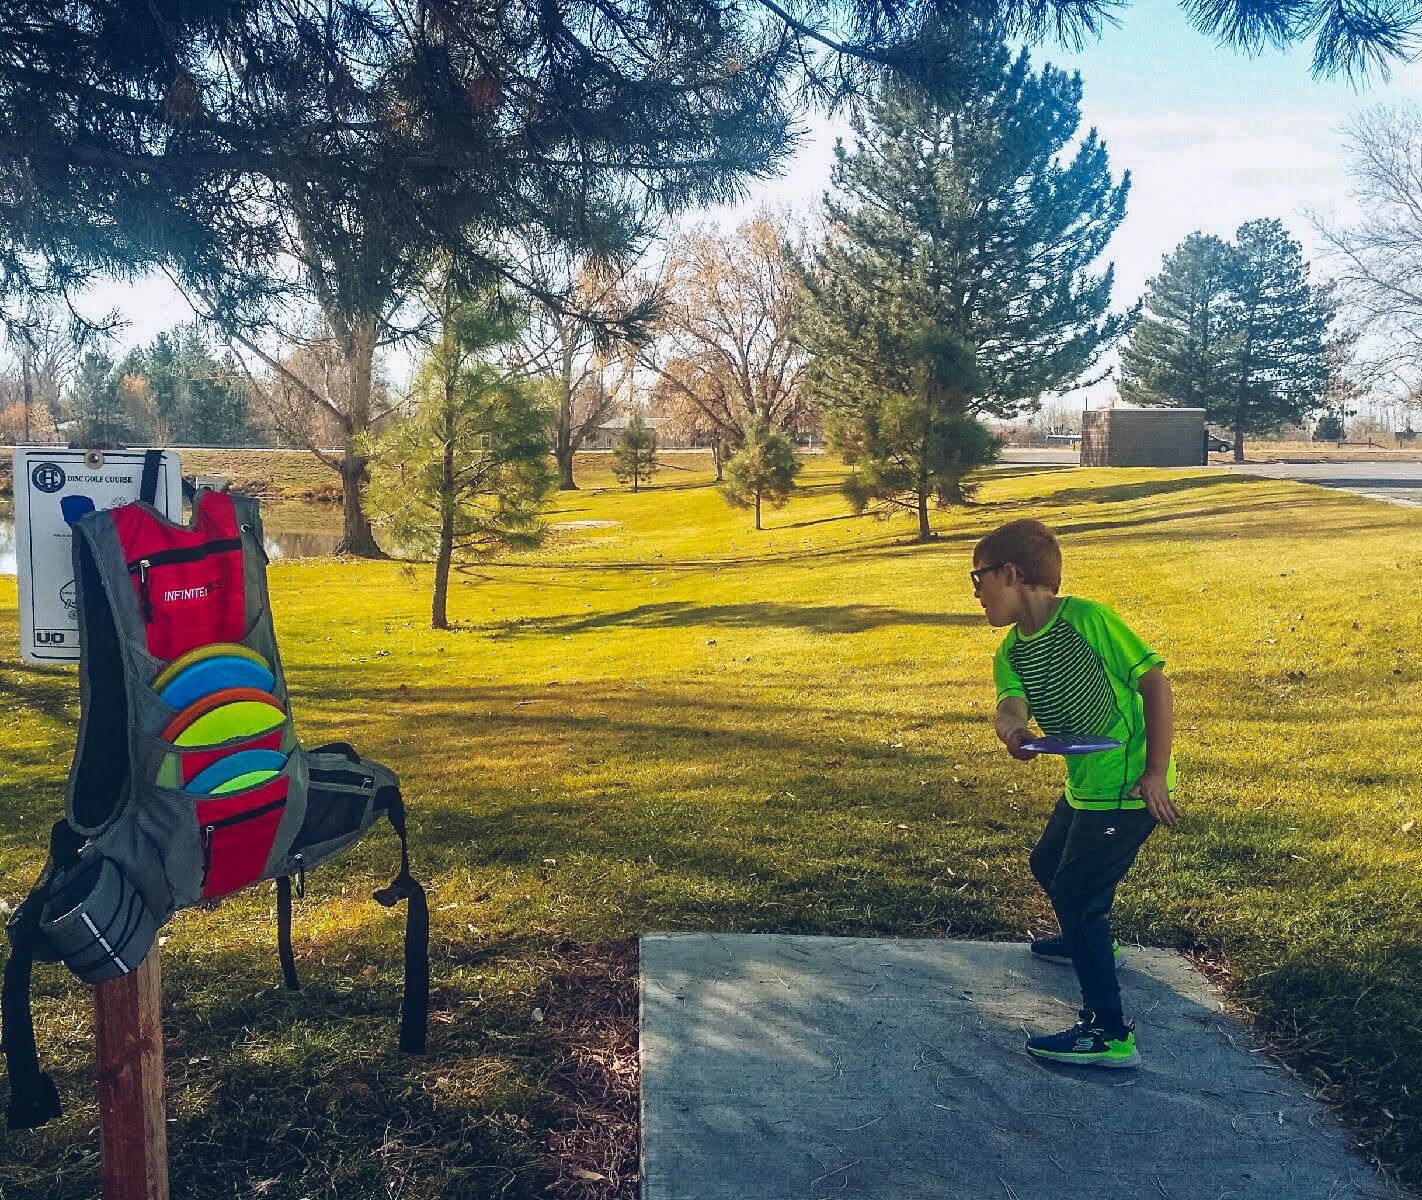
{"x": 1235, "y": 329}
{"x": 958, "y": 280}
{"x": 634, "y": 454}
{"x": 95, "y": 412}
{"x": 177, "y": 393}
{"x": 1178, "y": 350}
{"x": 916, "y": 446}
{"x": 206, "y": 105}
{"x": 281, "y": 155}
{"x": 1280, "y": 367}
{"x": 762, "y": 471}
{"x": 469, "y": 471}
{"x": 1329, "y": 427}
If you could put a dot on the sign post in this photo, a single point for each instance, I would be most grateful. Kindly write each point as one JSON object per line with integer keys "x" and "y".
{"x": 128, "y": 1046}
{"x": 53, "y": 486}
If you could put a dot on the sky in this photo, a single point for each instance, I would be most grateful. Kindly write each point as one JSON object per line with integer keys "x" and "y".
{"x": 1211, "y": 136}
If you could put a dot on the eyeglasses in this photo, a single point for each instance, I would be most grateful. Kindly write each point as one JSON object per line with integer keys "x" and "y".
{"x": 977, "y": 576}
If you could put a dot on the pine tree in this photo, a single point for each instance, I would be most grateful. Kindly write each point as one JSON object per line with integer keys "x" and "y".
{"x": 95, "y": 411}
{"x": 469, "y": 471}
{"x": 634, "y": 453}
{"x": 762, "y": 471}
{"x": 1177, "y": 351}
{"x": 1280, "y": 369}
{"x": 1235, "y": 329}
{"x": 180, "y": 394}
{"x": 959, "y": 278}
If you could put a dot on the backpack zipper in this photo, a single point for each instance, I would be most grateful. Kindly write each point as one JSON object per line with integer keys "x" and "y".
{"x": 209, "y": 830}
{"x": 164, "y": 558}
{"x": 360, "y": 780}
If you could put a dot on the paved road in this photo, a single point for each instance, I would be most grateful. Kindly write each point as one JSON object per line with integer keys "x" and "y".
{"x": 1394, "y": 482}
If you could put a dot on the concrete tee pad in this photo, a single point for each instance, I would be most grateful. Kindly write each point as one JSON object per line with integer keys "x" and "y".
{"x": 791, "y": 1068}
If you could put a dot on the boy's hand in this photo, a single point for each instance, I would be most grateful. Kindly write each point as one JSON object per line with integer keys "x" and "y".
{"x": 1010, "y": 725}
{"x": 1151, "y": 788}
{"x": 1014, "y": 742}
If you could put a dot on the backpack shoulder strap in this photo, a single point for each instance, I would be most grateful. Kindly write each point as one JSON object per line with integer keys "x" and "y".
{"x": 34, "y": 1099}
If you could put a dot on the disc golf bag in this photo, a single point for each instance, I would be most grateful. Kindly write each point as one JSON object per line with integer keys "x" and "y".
{"x": 188, "y": 782}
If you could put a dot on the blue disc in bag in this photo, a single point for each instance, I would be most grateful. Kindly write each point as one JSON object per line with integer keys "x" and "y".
{"x": 212, "y": 675}
{"x": 224, "y": 770}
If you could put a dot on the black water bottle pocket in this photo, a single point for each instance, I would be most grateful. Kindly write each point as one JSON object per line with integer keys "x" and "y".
{"x": 96, "y": 920}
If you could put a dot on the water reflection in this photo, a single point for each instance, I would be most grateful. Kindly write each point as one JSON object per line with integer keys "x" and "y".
{"x": 7, "y": 539}
{"x": 301, "y": 545}
{"x": 294, "y": 537}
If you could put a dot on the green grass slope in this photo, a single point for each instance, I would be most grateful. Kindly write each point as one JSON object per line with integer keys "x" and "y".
{"x": 663, "y": 720}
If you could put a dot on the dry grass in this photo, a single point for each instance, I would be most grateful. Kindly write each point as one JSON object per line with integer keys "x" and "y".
{"x": 1310, "y": 452}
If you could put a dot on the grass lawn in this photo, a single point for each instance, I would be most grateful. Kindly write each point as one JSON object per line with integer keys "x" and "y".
{"x": 663, "y": 720}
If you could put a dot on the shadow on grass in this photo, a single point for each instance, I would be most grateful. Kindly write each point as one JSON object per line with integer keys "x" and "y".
{"x": 1121, "y": 493}
{"x": 893, "y": 544}
{"x": 836, "y": 618}
{"x": 1209, "y": 526}
{"x": 49, "y": 691}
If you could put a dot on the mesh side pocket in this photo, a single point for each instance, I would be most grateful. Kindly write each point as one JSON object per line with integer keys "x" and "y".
{"x": 339, "y": 806}
{"x": 96, "y": 920}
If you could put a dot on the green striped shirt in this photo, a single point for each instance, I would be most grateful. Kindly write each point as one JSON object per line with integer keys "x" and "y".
{"x": 1079, "y": 675}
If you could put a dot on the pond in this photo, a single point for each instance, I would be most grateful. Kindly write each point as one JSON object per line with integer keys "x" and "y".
{"x": 292, "y": 530}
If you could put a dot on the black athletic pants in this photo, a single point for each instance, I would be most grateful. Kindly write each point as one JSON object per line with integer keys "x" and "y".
{"x": 1082, "y": 855}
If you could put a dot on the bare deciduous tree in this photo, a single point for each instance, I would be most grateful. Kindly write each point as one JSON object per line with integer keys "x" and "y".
{"x": 565, "y": 343}
{"x": 726, "y": 355}
{"x": 1377, "y": 263}
{"x": 314, "y": 398}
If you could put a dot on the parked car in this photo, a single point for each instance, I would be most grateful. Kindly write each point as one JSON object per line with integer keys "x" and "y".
{"x": 1214, "y": 442}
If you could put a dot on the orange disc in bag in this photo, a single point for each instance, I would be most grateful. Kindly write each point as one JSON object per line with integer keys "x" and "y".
{"x": 230, "y": 713}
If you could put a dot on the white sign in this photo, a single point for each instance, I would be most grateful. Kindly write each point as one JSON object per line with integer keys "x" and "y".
{"x": 49, "y": 480}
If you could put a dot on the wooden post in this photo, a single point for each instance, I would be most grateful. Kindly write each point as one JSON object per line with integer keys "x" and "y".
{"x": 128, "y": 1044}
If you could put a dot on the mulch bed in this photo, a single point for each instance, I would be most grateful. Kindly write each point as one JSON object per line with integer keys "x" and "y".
{"x": 596, "y": 1148}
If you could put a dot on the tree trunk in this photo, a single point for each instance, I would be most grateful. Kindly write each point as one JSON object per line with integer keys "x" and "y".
{"x": 563, "y": 444}
{"x": 757, "y": 510}
{"x": 716, "y": 455}
{"x": 29, "y": 397}
{"x": 439, "y": 613}
{"x": 923, "y": 531}
{"x": 563, "y": 438}
{"x": 357, "y": 537}
{"x": 359, "y": 349}
{"x": 565, "y": 471}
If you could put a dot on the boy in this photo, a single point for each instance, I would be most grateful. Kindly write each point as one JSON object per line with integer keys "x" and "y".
{"x": 1074, "y": 667}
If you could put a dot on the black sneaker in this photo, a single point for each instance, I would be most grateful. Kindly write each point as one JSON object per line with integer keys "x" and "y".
{"x": 1087, "y": 1044}
{"x": 1054, "y": 950}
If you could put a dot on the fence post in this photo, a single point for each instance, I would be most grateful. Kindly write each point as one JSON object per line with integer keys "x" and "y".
{"x": 128, "y": 1047}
